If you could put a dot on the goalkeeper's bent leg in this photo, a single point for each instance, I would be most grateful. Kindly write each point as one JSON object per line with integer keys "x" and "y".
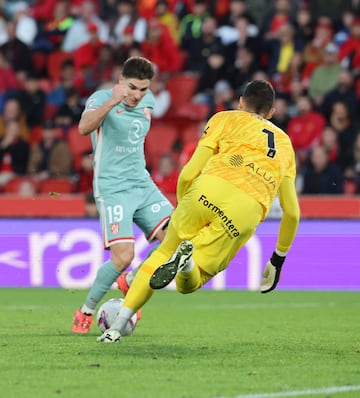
{"x": 190, "y": 280}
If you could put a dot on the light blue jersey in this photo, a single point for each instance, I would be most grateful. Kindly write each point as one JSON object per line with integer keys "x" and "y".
{"x": 118, "y": 144}
{"x": 123, "y": 189}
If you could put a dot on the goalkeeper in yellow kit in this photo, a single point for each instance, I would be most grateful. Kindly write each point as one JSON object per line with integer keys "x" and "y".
{"x": 241, "y": 163}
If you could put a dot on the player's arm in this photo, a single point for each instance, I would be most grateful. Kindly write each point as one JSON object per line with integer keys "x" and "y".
{"x": 91, "y": 118}
{"x": 192, "y": 169}
{"x": 287, "y": 231}
{"x": 94, "y": 115}
{"x": 291, "y": 214}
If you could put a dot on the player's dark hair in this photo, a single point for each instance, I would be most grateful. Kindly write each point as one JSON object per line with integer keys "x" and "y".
{"x": 138, "y": 68}
{"x": 259, "y": 96}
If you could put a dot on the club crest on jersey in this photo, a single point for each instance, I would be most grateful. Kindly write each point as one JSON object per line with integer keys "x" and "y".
{"x": 115, "y": 228}
{"x": 147, "y": 113}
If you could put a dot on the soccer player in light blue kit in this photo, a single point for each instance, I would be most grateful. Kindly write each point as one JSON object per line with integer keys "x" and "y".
{"x": 118, "y": 121}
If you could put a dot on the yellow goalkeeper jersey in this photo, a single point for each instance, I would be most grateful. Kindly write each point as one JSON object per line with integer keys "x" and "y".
{"x": 250, "y": 152}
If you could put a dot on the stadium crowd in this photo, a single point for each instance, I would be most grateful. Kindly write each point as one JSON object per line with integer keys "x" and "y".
{"x": 55, "y": 53}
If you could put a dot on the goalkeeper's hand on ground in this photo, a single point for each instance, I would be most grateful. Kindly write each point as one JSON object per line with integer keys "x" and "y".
{"x": 271, "y": 273}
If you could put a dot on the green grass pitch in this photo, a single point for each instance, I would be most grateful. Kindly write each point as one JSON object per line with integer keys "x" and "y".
{"x": 210, "y": 344}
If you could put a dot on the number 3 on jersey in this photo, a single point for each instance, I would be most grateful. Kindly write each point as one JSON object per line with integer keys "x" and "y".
{"x": 270, "y": 143}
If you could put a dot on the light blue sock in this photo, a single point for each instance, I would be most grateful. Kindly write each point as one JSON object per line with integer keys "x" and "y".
{"x": 105, "y": 277}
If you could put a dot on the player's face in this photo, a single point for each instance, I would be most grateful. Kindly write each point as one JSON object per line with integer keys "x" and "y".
{"x": 136, "y": 89}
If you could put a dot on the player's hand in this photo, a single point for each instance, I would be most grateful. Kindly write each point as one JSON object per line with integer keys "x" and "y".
{"x": 119, "y": 91}
{"x": 271, "y": 273}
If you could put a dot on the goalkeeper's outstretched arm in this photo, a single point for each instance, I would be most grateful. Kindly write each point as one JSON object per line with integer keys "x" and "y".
{"x": 287, "y": 232}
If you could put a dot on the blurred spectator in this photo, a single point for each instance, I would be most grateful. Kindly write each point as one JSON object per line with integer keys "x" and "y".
{"x": 350, "y": 49}
{"x": 68, "y": 79}
{"x": 70, "y": 112}
{"x": 343, "y": 92}
{"x": 346, "y": 130}
{"x": 304, "y": 27}
{"x": 32, "y": 99}
{"x": 223, "y": 96}
{"x": 159, "y": 42}
{"x": 53, "y": 29}
{"x": 123, "y": 50}
{"x": 41, "y": 10}
{"x": 237, "y": 9}
{"x": 343, "y": 32}
{"x": 87, "y": 54}
{"x": 190, "y": 24}
{"x": 17, "y": 53}
{"x": 283, "y": 80}
{"x": 108, "y": 11}
{"x": 329, "y": 140}
{"x": 8, "y": 80}
{"x": 305, "y": 128}
{"x": 162, "y": 97}
{"x": 198, "y": 49}
{"x": 296, "y": 90}
{"x": 216, "y": 69}
{"x": 279, "y": 15}
{"x": 281, "y": 116}
{"x": 85, "y": 174}
{"x": 320, "y": 176}
{"x": 168, "y": 18}
{"x": 14, "y": 153}
{"x": 78, "y": 33}
{"x": 242, "y": 69}
{"x": 103, "y": 69}
{"x": 13, "y": 113}
{"x": 3, "y": 32}
{"x": 352, "y": 172}
{"x": 166, "y": 174}
{"x": 244, "y": 37}
{"x": 314, "y": 50}
{"x": 280, "y": 51}
{"x": 26, "y": 26}
{"x": 324, "y": 77}
{"x": 51, "y": 156}
{"x": 128, "y": 18}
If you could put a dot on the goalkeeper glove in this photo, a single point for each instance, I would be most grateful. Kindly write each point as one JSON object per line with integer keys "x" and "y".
{"x": 271, "y": 273}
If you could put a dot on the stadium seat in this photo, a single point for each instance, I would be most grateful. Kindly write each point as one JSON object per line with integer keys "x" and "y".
{"x": 54, "y": 63}
{"x": 78, "y": 144}
{"x": 13, "y": 186}
{"x": 181, "y": 88}
{"x": 50, "y": 111}
{"x": 191, "y": 133}
{"x": 161, "y": 139}
{"x": 36, "y": 133}
{"x": 55, "y": 185}
{"x": 39, "y": 61}
{"x": 193, "y": 111}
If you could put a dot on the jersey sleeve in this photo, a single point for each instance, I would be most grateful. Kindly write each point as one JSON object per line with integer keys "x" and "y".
{"x": 96, "y": 100}
{"x": 291, "y": 214}
{"x": 213, "y": 131}
{"x": 291, "y": 170}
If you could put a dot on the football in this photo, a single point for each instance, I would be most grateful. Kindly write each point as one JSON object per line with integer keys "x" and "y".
{"x": 107, "y": 313}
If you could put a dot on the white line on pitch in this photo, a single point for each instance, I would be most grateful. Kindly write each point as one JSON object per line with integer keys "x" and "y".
{"x": 329, "y": 390}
